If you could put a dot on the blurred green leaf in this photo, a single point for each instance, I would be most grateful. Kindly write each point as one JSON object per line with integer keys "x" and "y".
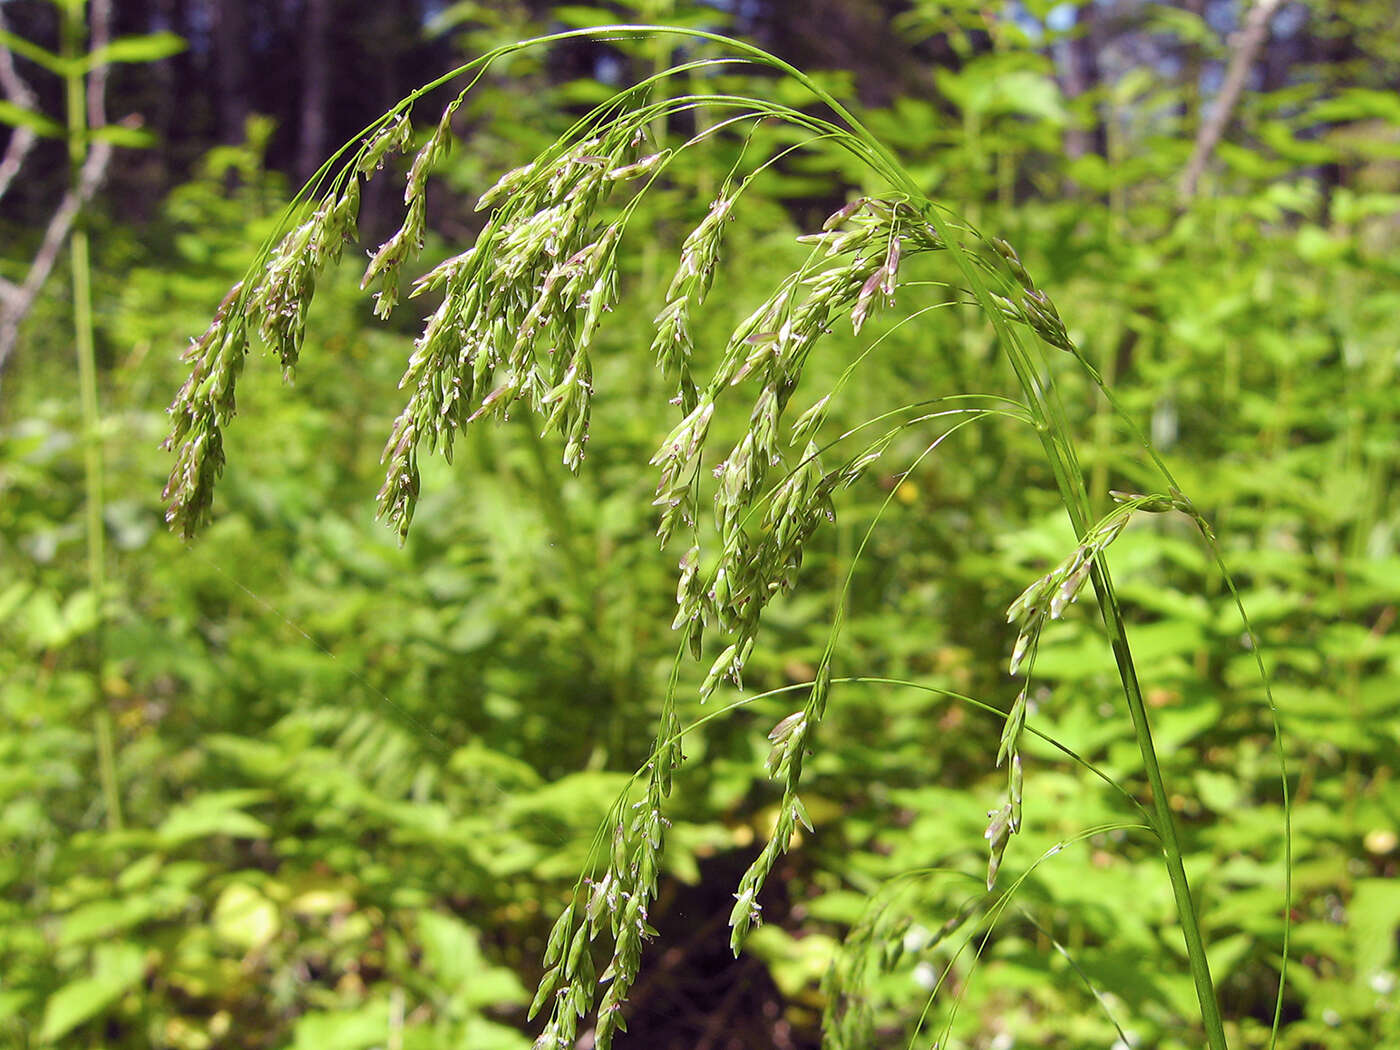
{"x": 118, "y": 135}
{"x": 115, "y": 969}
{"x": 19, "y": 117}
{"x": 215, "y": 813}
{"x": 39, "y": 56}
{"x": 245, "y": 917}
{"x": 149, "y": 48}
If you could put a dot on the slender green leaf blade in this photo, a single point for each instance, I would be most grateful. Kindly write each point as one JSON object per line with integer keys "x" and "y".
{"x": 19, "y": 117}
{"x": 150, "y": 48}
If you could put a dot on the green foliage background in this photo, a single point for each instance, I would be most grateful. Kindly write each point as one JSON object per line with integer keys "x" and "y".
{"x": 359, "y": 780}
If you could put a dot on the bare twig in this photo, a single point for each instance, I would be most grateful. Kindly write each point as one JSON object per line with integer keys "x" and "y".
{"x": 16, "y": 300}
{"x": 17, "y": 91}
{"x": 99, "y": 35}
{"x": 1250, "y": 40}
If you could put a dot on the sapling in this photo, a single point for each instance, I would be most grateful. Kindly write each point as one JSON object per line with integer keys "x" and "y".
{"x": 516, "y": 329}
{"x": 89, "y": 140}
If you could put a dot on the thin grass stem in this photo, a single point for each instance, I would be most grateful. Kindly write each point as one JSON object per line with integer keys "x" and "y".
{"x": 93, "y": 467}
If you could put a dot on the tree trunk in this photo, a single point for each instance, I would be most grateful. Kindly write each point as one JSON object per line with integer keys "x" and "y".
{"x": 1080, "y": 75}
{"x": 315, "y": 94}
{"x": 230, "y": 34}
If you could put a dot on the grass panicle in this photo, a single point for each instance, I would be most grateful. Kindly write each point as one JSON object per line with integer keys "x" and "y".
{"x": 519, "y": 313}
